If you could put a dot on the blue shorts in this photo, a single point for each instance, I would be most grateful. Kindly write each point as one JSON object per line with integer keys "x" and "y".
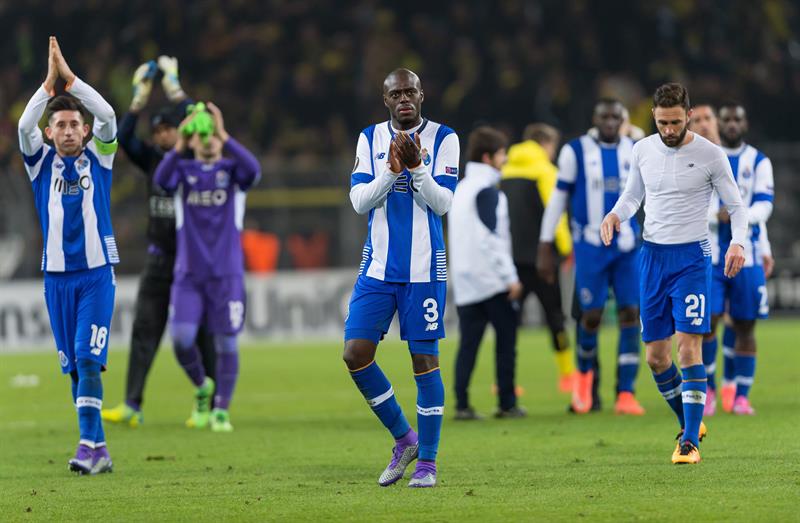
{"x": 598, "y": 268}
{"x": 674, "y": 282}
{"x": 745, "y": 294}
{"x": 80, "y": 305}
{"x": 420, "y": 309}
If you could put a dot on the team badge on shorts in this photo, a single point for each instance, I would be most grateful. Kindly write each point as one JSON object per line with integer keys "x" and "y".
{"x": 62, "y": 358}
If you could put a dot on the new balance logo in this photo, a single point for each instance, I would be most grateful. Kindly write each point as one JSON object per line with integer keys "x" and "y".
{"x": 432, "y": 326}
{"x": 697, "y": 322}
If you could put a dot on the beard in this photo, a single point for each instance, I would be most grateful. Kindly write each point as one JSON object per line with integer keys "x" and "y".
{"x": 674, "y": 141}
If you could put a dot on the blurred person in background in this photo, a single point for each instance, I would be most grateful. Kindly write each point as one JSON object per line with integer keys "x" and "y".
{"x": 592, "y": 174}
{"x": 485, "y": 282}
{"x": 71, "y": 182}
{"x": 743, "y": 297}
{"x": 208, "y": 287}
{"x": 152, "y": 301}
{"x": 528, "y": 180}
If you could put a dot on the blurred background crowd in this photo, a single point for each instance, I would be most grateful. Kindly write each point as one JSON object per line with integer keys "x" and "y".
{"x": 298, "y": 80}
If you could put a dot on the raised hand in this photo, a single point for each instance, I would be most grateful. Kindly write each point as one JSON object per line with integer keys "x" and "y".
{"x": 180, "y": 144}
{"x": 395, "y": 163}
{"x": 52, "y": 70}
{"x": 408, "y": 149}
{"x": 219, "y": 123}
{"x": 142, "y": 85}
{"x": 63, "y": 68}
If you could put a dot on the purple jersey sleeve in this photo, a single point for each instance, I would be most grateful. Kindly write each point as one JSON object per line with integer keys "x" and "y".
{"x": 247, "y": 171}
{"x": 168, "y": 175}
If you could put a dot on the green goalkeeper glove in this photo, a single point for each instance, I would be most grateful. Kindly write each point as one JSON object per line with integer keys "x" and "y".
{"x": 170, "y": 83}
{"x": 142, "y": 85}
{"x": 201, "y": 123}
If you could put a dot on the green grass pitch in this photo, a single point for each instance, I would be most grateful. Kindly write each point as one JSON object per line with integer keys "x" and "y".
{"x": 306, "y": 446}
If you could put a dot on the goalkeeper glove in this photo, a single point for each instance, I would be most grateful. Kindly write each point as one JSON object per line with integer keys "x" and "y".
{"x": 142, "y": 85}
{"x": 170, "y": 83}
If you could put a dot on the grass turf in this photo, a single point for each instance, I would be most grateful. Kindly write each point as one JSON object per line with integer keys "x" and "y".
{"x": 306, "y": 446}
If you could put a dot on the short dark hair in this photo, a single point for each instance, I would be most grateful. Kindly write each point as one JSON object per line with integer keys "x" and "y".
{"x": 672, "y": 94}
{"x": 731, "y": 104}
{"x": 705, "y": 103}
{"x": 541, "y": 133}
{"x": 484, "y": 139}
{"x": 607, "y": 100}
{"x": 65, "y": 102}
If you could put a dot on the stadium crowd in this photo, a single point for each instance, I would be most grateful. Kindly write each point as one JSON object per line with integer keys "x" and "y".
{"x": 297, "y": 79}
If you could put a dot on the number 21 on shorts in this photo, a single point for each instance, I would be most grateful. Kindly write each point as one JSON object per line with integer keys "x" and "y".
{"x": 693, "y": 303}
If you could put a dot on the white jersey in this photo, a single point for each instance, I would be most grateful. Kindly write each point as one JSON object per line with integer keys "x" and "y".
{"x": 72, "y": 194}
{"x": 752, "y": 171}
{"x": 677, "y": 183}
{"x": 405, "y": 242}
{"x": 593, "y": 174}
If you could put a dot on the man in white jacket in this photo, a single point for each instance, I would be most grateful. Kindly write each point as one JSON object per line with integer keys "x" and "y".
{"x": 485, "y": 281}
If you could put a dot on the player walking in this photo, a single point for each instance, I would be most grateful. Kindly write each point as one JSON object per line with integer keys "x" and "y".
{"x": 72, "y": 188}
{"x": 745, "y": 296}
{"x": 404, "y": 176}
{"x": 675, "y": 172}
{"x": 208, "y": 288}
{"x": 592, "y": 172}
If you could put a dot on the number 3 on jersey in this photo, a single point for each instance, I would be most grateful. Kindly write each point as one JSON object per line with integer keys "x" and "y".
{"x": 695, "y": 302}
{"x": 431, "y": 314}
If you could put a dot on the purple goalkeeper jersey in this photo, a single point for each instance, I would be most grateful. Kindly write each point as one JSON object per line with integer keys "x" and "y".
{"x": 209, "y": 209}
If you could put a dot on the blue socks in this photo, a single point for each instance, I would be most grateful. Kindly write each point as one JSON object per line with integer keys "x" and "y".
{"x": 728, "y": 343}
{"x": 378, "y": 392}
{"x": 430, "y": 409}
{"x": 89, "y": 401}
{"x": 745, "y": 370}
{"x": 627, "y": 358}
{"x": 586, "y": 350}
{"x": 669, "y": 385}
{"x": 710, "y": 361}
{"x": 694, "y": 401}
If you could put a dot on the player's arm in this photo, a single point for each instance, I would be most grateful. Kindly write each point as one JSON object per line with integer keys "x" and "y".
{"x": 765, "y": 248}
{"x": 140, "y": 152}
{"x": 248, "y": 170}
{"x": 168, "y": 174}
{"x": 436, "y": 189}
{"x": 31, "y": 142}
{"x": 556, "y": 205}
{"x": 763, "y": 193}
{"x": 492, "y": 207}
{"x": 628, "y": 203}
{"x": 723, "y": 182}
{"x": 563, "y": 239}
{"x": 369, "y": 189}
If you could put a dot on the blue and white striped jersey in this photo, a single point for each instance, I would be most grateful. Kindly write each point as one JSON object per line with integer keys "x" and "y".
{"x": 72, "y": 194}
{"x": 405, "y": 242}
{"x": 752, "y": 171}
{"x": 594, "y": 174}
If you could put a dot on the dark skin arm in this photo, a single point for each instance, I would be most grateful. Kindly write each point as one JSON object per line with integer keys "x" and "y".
{"x": 546, "y": 262}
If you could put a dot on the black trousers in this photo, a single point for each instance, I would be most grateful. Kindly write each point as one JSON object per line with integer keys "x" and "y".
{"x": 549, "y": 296}
{"x": 152, "y": 310}
{"x": 472, "y": 320}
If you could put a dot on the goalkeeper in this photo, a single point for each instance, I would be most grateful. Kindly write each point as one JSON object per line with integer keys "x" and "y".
{"x": 152, "y": 302}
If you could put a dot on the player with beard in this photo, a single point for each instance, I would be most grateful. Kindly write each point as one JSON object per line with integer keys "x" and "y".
{"x": 675, "y": 172}
{"x": 404, "y": 177}
{"x": 152, "y": 301}
{"x": 592, "y": 172}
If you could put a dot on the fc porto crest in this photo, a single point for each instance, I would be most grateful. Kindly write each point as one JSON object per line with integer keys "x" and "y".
{"x": 222, "y": 179}
{"x": 426, "y": 158}
{"x": 747, "y": 174}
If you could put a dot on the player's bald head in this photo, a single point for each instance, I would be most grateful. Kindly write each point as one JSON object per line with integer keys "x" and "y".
{"x": 400, "y": 77}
